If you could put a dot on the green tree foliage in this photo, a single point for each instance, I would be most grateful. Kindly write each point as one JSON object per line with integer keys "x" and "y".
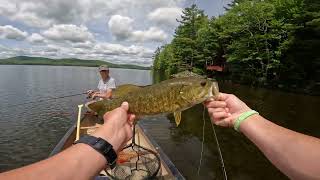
{"x": 254, "y": 39}
{"x": 301, "y": 61}
{"x": 164, "y": 59}
{"x": 261, "y": 41}
{"x": 184, "y": 52}
{"x": 185, "y": 43}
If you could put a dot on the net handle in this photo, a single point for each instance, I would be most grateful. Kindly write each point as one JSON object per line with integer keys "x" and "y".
{"x": 134, "y": 133}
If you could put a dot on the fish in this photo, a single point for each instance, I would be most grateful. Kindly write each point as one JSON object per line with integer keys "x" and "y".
{"x": 170, "y": 96}
{"x": 125, "y": 89}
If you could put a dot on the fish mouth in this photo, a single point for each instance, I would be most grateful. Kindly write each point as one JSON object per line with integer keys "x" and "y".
{"x": 205, "y": 95}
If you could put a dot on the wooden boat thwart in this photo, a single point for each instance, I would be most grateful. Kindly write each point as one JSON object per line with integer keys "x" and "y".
{"x": 89, "y": 123}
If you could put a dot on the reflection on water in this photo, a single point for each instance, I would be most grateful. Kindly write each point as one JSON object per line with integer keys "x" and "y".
{"x": 28, "y": 133}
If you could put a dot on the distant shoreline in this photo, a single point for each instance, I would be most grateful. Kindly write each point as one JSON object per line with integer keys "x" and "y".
{"x": 25, "y": 60}
{"x": 2, "y": 64}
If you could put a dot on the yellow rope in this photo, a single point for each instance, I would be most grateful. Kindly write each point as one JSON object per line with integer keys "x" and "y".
{"x": 78, "y": 122}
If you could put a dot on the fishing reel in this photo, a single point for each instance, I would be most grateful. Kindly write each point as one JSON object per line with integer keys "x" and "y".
{"x": 89, "y": 94}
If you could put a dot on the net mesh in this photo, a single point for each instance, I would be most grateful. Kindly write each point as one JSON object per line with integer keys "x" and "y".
{"x": 136, "y": 162}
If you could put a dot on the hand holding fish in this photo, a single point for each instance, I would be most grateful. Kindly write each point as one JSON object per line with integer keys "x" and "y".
{"x": 225, "y": 109}
{"x": 169, "y": 96}
{"x": 117, "y": 127}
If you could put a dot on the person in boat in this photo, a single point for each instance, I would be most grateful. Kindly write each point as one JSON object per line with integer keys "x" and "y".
{"x": 105, "y": 86}
{"x": 295, "y": 154}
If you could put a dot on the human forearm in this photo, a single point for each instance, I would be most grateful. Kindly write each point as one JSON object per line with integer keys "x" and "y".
{"x": 81, "y": 161}
{"x": 77, "y": 162}
{"x": 295, "y": 154}
{"x": 105, "y": 95}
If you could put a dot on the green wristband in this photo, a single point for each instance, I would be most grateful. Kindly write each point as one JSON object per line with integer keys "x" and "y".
{"x": 243, "y": 117}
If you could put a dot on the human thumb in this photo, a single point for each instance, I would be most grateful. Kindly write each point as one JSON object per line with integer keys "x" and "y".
{"x": 125, "y": 106}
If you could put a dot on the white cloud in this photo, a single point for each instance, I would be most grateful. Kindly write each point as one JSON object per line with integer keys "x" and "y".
{"x": 111, "y": 52}
{"x": 165, "y": 15}
{"x": 32, "y": 19}
{"x": 122, "y": 29}
{"x": 36, "y": 38}
{"x": 8, "y": 8}
{"x": 152, "y": 34}
{"x": 10, "y": 32}
{"x": 77, "y": 28}
{"x": 68, "y": 32}
{"x": 118, "y": 49}
{"x": 43, "y": 13}
{"x": 120, "y": 26}
{"x": 37, "y": 13}
{"x": 84, "y": 45}
{"x": 155, "y": 3}
{"x": 6, "y": 52}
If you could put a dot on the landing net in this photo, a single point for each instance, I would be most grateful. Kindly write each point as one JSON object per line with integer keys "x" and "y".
{"x": 136, "y": 162}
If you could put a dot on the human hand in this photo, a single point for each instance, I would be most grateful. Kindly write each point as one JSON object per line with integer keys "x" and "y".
{"x": 225, "y": 109}
{"x": 117, "y": 127}
{"x": 89, "y": 92}
{"x": 94, "y": 95}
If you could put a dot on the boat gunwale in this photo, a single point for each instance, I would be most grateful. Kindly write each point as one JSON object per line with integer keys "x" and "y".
{"x": 172, "y": 168}
{"x": 59, "y": 147}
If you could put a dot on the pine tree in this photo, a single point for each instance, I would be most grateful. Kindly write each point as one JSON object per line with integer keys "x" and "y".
{"x": 192, "y": 20}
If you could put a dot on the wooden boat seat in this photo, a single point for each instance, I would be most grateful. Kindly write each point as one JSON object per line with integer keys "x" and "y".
{"x": 90, "y": 129}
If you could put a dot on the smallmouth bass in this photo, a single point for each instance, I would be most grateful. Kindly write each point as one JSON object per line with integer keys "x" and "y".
{"x": 169, "y": 96}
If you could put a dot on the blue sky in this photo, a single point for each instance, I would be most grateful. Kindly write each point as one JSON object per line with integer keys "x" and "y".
{"x": 118, "y": 31}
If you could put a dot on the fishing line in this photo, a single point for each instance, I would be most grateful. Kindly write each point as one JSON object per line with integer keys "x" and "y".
{"x": 202, "y": 144}
{"x": 48, "y": 99}
{"x": 220, "y": 153}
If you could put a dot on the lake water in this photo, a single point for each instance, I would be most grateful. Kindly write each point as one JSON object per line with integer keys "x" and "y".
{"x": 28, "y": 133}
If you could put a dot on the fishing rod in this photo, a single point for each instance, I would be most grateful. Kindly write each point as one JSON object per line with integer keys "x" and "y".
{"x": 48, "y": 99}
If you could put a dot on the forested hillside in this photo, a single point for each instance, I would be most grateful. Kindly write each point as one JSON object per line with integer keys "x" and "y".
{"x": 260, "y": 42}
{"x": 26, "y": 60}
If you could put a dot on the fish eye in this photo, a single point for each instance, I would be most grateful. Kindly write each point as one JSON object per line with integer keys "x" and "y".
{"x": 203, "y": 83}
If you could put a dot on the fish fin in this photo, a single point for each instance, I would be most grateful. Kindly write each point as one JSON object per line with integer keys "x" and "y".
{"x": 177, "y": 117}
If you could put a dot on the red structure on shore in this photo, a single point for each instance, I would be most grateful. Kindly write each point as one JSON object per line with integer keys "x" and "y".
{"x": 215, "y": 68}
